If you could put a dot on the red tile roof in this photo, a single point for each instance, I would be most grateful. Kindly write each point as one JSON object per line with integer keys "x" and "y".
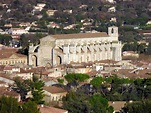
{"x": 46, "y": 109}
{"x": 7, "y": 53}
{"x": 80, "y": 35}
{"x": 54, "y": 89}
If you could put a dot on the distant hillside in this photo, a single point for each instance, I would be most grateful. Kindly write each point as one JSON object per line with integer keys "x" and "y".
{"x": 22, "y": 1}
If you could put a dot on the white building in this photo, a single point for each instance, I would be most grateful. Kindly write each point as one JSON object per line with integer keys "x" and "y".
{"x": 111, "y": 1}
{"x": 112, "y": 9}
{"x": 17, "y": 31}
{"x": 78, "y": 48}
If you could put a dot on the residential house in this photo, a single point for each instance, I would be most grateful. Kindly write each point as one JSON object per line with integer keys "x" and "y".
{"x": 145, "y": 32}
{"x": 79, "y": 68}
{"x": 8, "y": 25}
{"x": 53, "y": 93}
{"x": 6, "y": 78}
{"x": 39, "y": 7}
{"x": 130, "y": 53}
{"x": 42, "y": 5}
{"x": 113, "y": 19}
{"x": 126, "y": 64}
{"x": 18, "y": 72}
{"x": 3, "y": 84}
{"x": 24, "y": 24}
{"x": 9, "y": 93}
{"x": 112, "y": 9}
{"x": 72, "y": 26}
{"x": 11, "y": 69}
{"x": 11, "y": 57}
{"x": 132, "y": 73}
{"x": 51, "y": 12}
{"x": 149, "y": 22}
{"x": 17, "y": 31}
{"x": 53, "y": 25}
{"x": 83, "y": 6}
{"x": 111, "y": 1}
{"x": 68, "y": 11}
{"x": 2, "y": 32}
{"x": 106, "y": 65}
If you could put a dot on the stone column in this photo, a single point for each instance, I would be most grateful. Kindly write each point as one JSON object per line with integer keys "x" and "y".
{"x": 78, "y": 50}
{"x": 66, "y": 53}
{"x": 118, "y": 48}
{"x": 84, "y": 48}
{"x": 108, "y": 51}
{"x": 98, "y": 52}
{"x": 103, "y": 51}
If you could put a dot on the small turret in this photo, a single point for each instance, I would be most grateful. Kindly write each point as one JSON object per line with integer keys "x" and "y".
{"x": 113, "y": 31}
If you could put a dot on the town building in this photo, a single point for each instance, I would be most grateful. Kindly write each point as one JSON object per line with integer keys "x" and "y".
{"x": 17, "y": 31}
{"x": 53, "y": 93}
{"x": 11, "y": 57}
{"x": 59, "y": 49}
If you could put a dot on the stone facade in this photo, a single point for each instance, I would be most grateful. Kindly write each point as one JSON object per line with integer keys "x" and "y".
{"x": 83, "y": 47}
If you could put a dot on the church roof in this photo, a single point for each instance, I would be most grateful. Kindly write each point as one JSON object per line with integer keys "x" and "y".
{"x": 80, "y": 35}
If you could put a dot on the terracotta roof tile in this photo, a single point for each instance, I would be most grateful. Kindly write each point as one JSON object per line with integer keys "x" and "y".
{"x": 7, "y": 53}
{"x": 54, "y": 89}
{"x": 80, "y": 35}
{"x": 46, "y": 109}
{"x": 107, "y": 61}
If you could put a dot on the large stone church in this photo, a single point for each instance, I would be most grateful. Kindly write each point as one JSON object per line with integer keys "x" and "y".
{"x": 76, "y": 48}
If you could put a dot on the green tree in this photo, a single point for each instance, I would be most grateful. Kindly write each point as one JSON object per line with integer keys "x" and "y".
{"x": 22, "y": 87}
{"x": 76, "y": 103}
{"x": 99, "y": 105}
{"x": 73, "y": 79}
{"x": 8, "y": 105}
{"x": 149, "y": 49}
{"x": 37, "y": 90}
{"x": 78, "y": 77}
{"x": 29, "y": 107}
{"x": 5, "y": 39}
{"x": 97, "y": 82}
{"x": 61, "y": 81}
{"x": 137, "y": 107}
{"x": 35, "y": 86}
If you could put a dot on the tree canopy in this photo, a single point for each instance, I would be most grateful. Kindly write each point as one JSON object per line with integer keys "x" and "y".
{"x": 77, "y": 102}
{"x": 10, "y": 105}
{"x": 137, "y": 107}
{"x": 78, "y": 77}
{"x": 34, "y": 85}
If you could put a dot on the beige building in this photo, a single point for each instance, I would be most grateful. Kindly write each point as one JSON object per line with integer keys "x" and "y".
{"x": 53, "y": 93}
{"x": 78, "y": 48}
{"x": 11, "y": 57}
